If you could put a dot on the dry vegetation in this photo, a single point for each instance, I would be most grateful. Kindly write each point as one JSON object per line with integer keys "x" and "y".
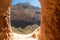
{"x": 26, "y": 30}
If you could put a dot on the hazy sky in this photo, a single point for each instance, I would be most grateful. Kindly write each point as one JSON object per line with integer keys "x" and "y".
{"x": 32, "y": 2}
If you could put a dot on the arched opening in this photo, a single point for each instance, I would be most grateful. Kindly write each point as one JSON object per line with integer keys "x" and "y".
{"x": 25, "y": 16}
{"x": 50, "y": 26}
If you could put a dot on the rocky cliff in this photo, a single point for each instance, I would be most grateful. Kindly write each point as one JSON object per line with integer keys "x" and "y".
{"x": 23, "y": 14}
{"x": 5, "y": 27}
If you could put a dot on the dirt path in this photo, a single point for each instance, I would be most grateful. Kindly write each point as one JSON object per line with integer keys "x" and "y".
{"x": 22, "y": 37}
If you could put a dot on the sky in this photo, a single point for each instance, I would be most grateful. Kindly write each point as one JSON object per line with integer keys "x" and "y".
{"x": 32, "y": 2}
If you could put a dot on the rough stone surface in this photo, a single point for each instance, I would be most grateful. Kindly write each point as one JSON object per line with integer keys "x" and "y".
{"x": 5, "y": 28}
{"x": 50, "y": 20}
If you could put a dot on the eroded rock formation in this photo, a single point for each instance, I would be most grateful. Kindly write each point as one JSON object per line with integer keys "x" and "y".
{"x": 5, "y": 28}
{"x": 50, "y": 20}
{"x": 23, "y": 14}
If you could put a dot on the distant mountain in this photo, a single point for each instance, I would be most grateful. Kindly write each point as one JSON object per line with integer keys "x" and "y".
{"x": 23, "y": 14}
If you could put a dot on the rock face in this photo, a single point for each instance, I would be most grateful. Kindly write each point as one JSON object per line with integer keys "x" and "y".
{"x": 5, "y": 28}
{"x": 23, "y": 14}
{"x": 50, "y": 24}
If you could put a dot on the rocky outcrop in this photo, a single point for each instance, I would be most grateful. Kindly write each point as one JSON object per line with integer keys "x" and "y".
{"x": 23, "y": 14}
{"x": 50, "y": 23}
{"x": 5, "y": 28}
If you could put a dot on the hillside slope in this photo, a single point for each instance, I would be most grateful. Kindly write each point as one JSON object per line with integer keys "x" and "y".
{"x": 23, "y": 14}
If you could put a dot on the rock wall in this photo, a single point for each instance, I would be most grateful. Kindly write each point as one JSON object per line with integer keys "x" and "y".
{"x": 5, "y": 28}
{"x": 50, "y": 20}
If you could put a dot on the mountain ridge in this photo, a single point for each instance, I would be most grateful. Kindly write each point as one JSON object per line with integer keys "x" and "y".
{"x": 24, "y": 14}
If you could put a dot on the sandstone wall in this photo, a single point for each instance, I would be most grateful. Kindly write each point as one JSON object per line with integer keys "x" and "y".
{"x": 5, "y": 28}
{"x": 50, "y": 20}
